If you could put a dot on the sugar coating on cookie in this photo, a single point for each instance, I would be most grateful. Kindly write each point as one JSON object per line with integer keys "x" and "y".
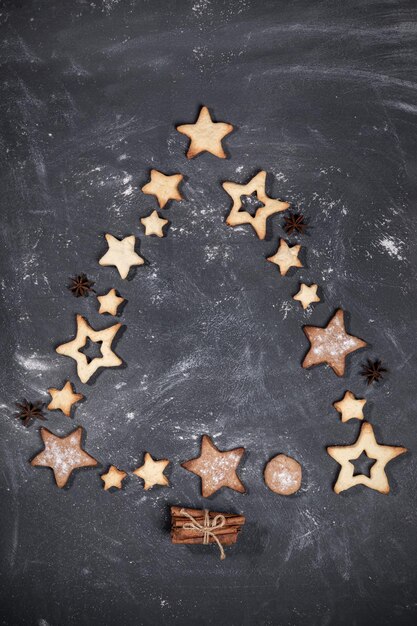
{"x": 282, "y": 475}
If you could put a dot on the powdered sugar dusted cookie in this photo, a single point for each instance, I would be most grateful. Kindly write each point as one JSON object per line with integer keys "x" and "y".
{"x": 282, "y": 475}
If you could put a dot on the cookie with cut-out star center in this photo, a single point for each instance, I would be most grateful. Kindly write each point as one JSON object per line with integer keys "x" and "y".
{"x": 86, "y": 367}
{"x": 205, "y": 135}
{"x": 110, "y": 302}
{"x": 63, "y": 399}
{"x": 216, "y": 468}
{"x": 256, "y": 186}
{"x": 154, "y": 224}
{"x": 286, "y": 257}
{"x": 331, "y": 345}
{"x": 366, "y": 443}
{"x": 63, "y": 454}
{"x": 152, "y": 472}
{"x": 113, "y": 478}
{"x": 163, "y": 187}
{"x": 306, "y": 295}
{"x": 350, "y": 407}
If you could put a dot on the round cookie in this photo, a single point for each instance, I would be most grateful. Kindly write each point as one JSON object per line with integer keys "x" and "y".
{"x": 282, "y": 475}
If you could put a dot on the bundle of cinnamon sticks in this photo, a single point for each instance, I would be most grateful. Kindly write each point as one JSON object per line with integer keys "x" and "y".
{"x": 196, "y": 526}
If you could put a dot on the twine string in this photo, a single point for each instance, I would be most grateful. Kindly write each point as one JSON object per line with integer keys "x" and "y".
{"x": 207, "y": 528}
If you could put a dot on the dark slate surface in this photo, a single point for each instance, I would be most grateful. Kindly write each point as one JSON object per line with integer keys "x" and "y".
{"x": 323, "y": 97}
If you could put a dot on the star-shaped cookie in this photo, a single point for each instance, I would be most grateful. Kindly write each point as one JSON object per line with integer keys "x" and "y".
{"x": 306, "y": 295}
{"x": 63, "y": 454}
{"x": 350, "y": 407}
{"x": 154, "y": 224}
{"x": 121, "y": 254}
{"x": 152, "y": 472}
{"x": 85, "y": 367}
{"x": 286, "y": 257}
{"x": 269, "y": 206}
{"x": 216, "y": 468}
{"x": 110, "y": 302}
{"x": 113, "y": 478}
{"x": 164, "y": 187}
{"x": 205, "y": 135}
{"x": 366, "y": 442}
{"x": 63, "y": 399}
{"x": 331, "y": 344}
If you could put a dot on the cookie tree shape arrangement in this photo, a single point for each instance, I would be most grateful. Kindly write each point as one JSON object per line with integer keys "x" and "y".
{"x": 205, "y": 135}
{"x": 163, "y": 187}
{"x": 121, "y": 254}
{"x": 216, "y": 468}
{"x": 63, "y": 399}
{"x": 286, "y": 257}
{"x": 269, "y": 206}
{"x": 63, "y": 455}
{"x": 85, "y": 367}
{"x": 331, "y": 344}
{"x": 366, "y": 443}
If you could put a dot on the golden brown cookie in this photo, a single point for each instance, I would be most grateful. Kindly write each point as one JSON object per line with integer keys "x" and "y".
{"x": 154, "y": 224}
{"x": 306, "y": 295}
{"x": 63, "y": 454}
{"x": 121, "y": 254}
{"x": 164, "y": 187}
{"x": 331, "y": 344}
{"x": 110, "y": 302}
{"x": 286, "y": 257}
{"x": 282, "y": 475}
{"x": 350, "y": 407}
{"x": 216, "y": 469}
{"x": 63, "y": 399}
{"x": 366, "y": 443}
{"x": 256, "y": 186}
{"x": 152, "y": 472}
{"x": 85, "y": 367}
{"x": 205, "y": 135}
{"x": 113, "y": 478}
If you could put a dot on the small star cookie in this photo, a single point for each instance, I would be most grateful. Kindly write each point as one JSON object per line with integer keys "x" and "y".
{"x": 63, "y": 454}
{"x": 331, "y": 344}
{"x": 205, "y": 135}
{"x": 154, "y": 224}
{"x": 350, "y": 407}
{"x": 85, "y": 367}
{"x": 152, "y": 472}
{"x": 307, "y": 295}
{"x": 63, "y": 399}
{"x": 110, "y": 302}
{"x": 216, "y": 468}
{"x": 121, "y": 254}
{"x": 285, "y": 257}
{"x": 113, "y": 478}
{"x": 164, "y": 187}
{"x": 366, "y": 443}
{"x": 269, "y": 206}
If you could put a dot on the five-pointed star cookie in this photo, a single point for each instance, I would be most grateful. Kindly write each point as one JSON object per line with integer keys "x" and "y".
{"x": 164, "y": 187}
{"x": 85, "y": 367}
{"x": 216, "y": 468}
{"x": 331, "y": 344}
{"x": 113, "y": 478}
{"x": 63, "y": 399}
{"x": 205, "y": 135}
{"x": 285, "y": 257}
{"x": 154, "y": 224}
{"x": 307, "y": 295}
{"x": 63, "y": 454}
{"x": 269, "y": 206}
{"x": 366, "y": 443}
{"x": 350, "y": 407}
{"x": 152, "y": 472}
{"x": 121, "y": 254}
{"x": 110, "y": 302}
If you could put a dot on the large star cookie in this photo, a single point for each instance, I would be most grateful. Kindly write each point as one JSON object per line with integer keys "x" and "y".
{"x": 205, "y": 135}
{"x": 269, "y": 206}
{"x": 63, "y": 455}
{"x": 216, "y": 468}
{"x": 331, "y": 344}
{"x": 366, "y": 443}
{"x": 85, "y": 367}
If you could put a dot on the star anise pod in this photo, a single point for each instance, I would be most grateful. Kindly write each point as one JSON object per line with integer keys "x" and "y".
{"x": 80, "y": 285}
{"x": 372, "y": 371}
{"x": 294, "y": 222}
{"x": 29, "y": 411}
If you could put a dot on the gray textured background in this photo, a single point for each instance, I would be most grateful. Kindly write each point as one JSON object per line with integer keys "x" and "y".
{"x": 323, "y": 96}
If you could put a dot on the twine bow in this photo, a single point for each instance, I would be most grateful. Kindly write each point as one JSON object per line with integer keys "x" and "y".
{"x": 207, "y": 528}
